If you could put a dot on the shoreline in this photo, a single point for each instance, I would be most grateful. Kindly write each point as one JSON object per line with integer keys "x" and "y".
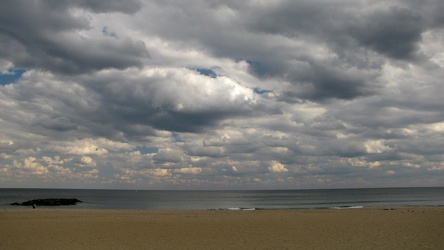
{"x": 363, "y": 228}
{"x": 73, "y": 208}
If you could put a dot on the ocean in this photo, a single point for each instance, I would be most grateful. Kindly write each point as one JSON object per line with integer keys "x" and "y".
{"x": 231, "y": 200}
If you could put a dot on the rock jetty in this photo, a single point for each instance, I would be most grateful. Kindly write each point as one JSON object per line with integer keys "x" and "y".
{"x": 48, "y": 202}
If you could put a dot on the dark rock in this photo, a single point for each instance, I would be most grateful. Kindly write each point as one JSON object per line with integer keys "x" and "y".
{"x": 48, "y": 202}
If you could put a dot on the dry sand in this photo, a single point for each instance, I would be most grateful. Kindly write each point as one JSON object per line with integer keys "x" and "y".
{"x": 401, "y": 228}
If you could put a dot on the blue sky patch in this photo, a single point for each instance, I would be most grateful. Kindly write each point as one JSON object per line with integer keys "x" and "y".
{"x": 261, "y": 91}
{"x": 145, "y": 150}
{"x": 206, "y": 72}
{"x": 11, "y": 76}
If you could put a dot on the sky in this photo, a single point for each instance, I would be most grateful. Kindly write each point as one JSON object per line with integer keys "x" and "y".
{"x": 255, "y": 94}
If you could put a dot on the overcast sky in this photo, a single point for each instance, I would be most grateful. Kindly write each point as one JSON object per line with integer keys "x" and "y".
{"x": 256, "y": 94}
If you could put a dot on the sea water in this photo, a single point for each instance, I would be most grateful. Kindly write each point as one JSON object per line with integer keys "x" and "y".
{"x": 231, "y": 200}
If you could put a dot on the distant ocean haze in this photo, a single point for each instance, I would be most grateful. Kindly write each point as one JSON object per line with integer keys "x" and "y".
{"x": 231, "y": 200}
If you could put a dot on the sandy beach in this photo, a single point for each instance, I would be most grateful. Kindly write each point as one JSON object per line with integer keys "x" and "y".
{"x": 377, "y": 228}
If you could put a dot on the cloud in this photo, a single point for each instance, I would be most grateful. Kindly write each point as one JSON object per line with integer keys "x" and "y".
{"x": 51, "y": 37}
{"x": 221, "y": 94}
{"x": 190, "y": 170}
{"x": 277, "y": 167}
{"x": 30, "y": 166}
{"x": 129, "y": 7}
{"x": 169, "y": 99}
{"x": 88, "y": 161}
{"x": 390, "y": 172}
{"x": 107, "y": 32}
{"x": 395, "y": 33}
{"x": 151, "y": 99}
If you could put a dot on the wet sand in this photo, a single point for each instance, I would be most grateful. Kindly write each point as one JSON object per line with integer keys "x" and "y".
{"x": 398, "y": 228}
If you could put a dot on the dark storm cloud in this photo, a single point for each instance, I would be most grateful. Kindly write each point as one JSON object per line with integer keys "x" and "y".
{"x": 395, "y": 32}
{"x": 54, "y": 123}
{"x": 349, "y": 30}
{"x": 316, "y": 80}
{"x": 100, "y": 6}
{"x": 431, "y": 11}
{"x": 182, "y": 101}
{"x": 392, "y": 31}
{"x": 45, "y": 35}
{"x": 110, "y": 105}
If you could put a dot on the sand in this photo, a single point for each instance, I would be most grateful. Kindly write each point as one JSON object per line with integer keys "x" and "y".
{"x": 377, "y": 228}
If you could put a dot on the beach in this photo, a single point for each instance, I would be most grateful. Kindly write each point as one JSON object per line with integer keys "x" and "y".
{"x": 364, "y": 228}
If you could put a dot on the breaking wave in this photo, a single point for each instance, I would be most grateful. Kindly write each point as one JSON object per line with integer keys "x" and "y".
{"x": 347, "y": 207}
